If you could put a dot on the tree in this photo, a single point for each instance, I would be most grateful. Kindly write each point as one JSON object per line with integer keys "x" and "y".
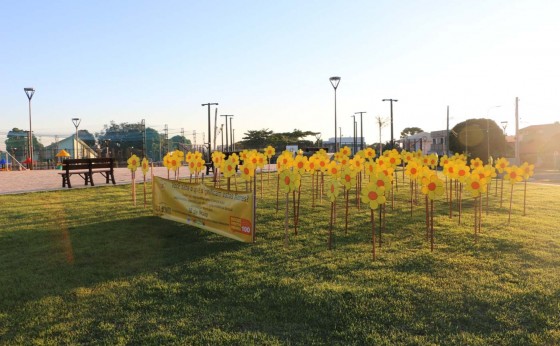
{"x": 409, "y": 131}
{"x": 256, "y": 139}
{"x": 473, "y": 137}
{"x": 87, "y": 138}
{"x": 265, "y": 137}
{"x": 123, "y": 140}
{"x": 17, "y": 145}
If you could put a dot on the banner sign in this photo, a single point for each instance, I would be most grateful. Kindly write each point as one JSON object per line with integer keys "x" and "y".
{"x": 228, "y": 213}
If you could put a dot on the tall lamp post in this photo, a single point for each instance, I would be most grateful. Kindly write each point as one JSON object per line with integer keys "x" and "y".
{"x": 209, "y": 137}
{"x": 488, "y": 130}
{"x": 231, "y": 129}
{"x": 335, "y": 81}
{"x": 76, "y": 122}
{"x": 29, "y": 92}
{"x": 354, "y": 138}
{"x": 227, "y": 131}
{"x": 361, "y": 130}
{"x": 392, "y": 138}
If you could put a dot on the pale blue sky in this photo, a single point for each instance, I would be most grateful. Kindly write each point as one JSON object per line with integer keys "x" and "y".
{"x": 269, "y": 63}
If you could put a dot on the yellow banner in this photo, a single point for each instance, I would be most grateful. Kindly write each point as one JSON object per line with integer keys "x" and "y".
{"x": 228, "y": 213}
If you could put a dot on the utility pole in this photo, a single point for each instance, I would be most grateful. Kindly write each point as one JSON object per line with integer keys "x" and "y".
{"x": 209, "y": 131}
{"x": 144, "y": 138}
{"x": 227, "y": 131}
{"x": 447, "y": 145}
{"x": 361, "y": 130}
{"x": 392, "y": 138}
{"x": 517, "y": 155}
{"x": 354, "y": 139}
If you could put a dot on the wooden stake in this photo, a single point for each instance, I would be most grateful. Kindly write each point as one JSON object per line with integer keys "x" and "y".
{"x": 510, "y": 203}
{"x": 347, "y": 198}
{"x": 373, "y": 234}
{"x": 432, "y": 225}
{"x": 286, "y": 221}
{"x": 331, "y": 225}
{"x": 524, "y": 198}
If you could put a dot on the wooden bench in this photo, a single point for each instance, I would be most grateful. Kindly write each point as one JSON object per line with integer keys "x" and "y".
{"x": 85, "y": 168}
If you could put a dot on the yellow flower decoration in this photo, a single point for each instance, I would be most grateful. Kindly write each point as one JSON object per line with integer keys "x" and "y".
{"x": 381, "y": 162}
{"x": 462, "y": 172}
{"x": 334, "y": 169}
{"x": 289, "y": 181}
{"x": 199, "y": 165}
{"x": 412, "y": 170}
{"x": 407, "y": 156}
{"x": 189, "y": 157}
{"x": 381, "y": 180}
{"x": 514, "y": 174}
{"x": 284, "y": 161}
{"x": 449, "y": 170}
{"x": 228, "y": 168}
{"x": 501, "y": 164}
{"x": 475, "y": 185}
{"x": 432, "y": 161}
{"x": 261, "y": 160}
{"x": 344, "y": 160}
{"x": 345, "y": 151}
{"x": 394, "y": 158}
{"x": 145, "y": 166}
{"x": 333, "y": 189}
{"x": 444, "y": 160}
{"x": 310, "y": 167}
{"x": 300, "y": 164}
{"x": 369, "y": 153}
{"x": 373, "y": 195}
{"x": 432, "y": 186}
{"x": 269, "y": 152}
{"x": 388, "y": 173}
{"x": 133, "y": 163}
{"x": 247, "y": 171}
{"x": 489, "y": 171}
{"x": 234, "y": 158}
{"x": 217, "y": 158}
{"x": 528, "y": 170}
{"x": 357, "y": 163}
{"x": 370, "y": 167}
{"x": 322, "y": 163}
{"x": 348, "y": 177}
{"x": 476, "y": 162}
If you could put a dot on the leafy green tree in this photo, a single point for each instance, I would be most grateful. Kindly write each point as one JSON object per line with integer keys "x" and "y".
{"x": 121, "y": 140}
{"x": 409, "y": 131}
{"x": 17, "y": 144}
{"x": 261, "y": 138}
{"x": 478, "y": 137}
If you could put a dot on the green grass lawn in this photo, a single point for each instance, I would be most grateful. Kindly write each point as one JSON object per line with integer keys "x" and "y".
{"x": 86, "y": 266}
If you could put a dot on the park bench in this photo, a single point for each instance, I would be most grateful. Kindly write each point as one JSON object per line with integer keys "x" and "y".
{"x": 85, "y": 168}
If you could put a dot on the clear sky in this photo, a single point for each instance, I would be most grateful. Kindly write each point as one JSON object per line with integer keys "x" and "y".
{"x": 268, "y": 63}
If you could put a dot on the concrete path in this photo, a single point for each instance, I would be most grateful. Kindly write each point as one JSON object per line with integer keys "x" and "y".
{"x": 48, "y": 180}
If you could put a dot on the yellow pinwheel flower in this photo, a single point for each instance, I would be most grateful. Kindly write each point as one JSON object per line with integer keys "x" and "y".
{"x": 407, "y": 156}
{"x": 475, "y": 185}
{"x": 323, "y": 163}
{"x": 432, "y": 186}
{"x": 489, "y": 171}
{"x": 449, "y": 170}
{"x": 462, "y": 172}
{"x": 514, "y": 174}
{"x": 247, "y": 171}
{"x": 334, "y": 169}
{"x": 345, "y": 151}
{"x": 333, "y": 189}
{"x": 476, "y": 162}
{"x": 145, "y": 166}
{"x": 373, "y": 195}
{"x": 528, "y": 170}
{"x": 284, "y": 161}
{"x": 199, "y": 165}
{"x": 234, "y": 158}
{"x": 388, "y": 172}
{"x": 381, "y": 162}
{"x": 269, "y": 152}
{"x": 300, "y": 164}
{"x": 179, "y": 155}
{"x": 348, "y": 177}
{"x": 289, "y": 181}
{"x": 228, "y": 168}
{"x": 261, "y": 160}
{"x": 310, "y": 167}
{"x": 381, "y": 180}
{"x": 344, "y": 160}
{"x": 133, "y": 163}
{"x": 357, "y": 163}
{"x": 501, "y": 164}
{"x": 192, "y": 166}
{"x": 444, "y": 160}
{"x": 432, "y": 161}
{"x": 394, "y": 158}
{"x": 369, "y": 153}
{"x": 370, "y": 167}
{"x": 412, "y": 170}
{"x": 217, "y": 158}
{"x": 197, "y": 155}
{"x": 244, "y": 155}
{"x": 189, "y": 157}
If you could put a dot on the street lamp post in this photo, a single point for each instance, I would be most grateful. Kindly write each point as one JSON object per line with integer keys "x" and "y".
{"x": 209, "y": 137}
{"x": 488, "y": 131}
{"x": 227, "y": 131}
{"x": 231, "y": 129}
{"x": 29, "y": 92}
{"x": 361, "y": 130}
{"x": 76, "y": 122}
{"x": 354, "y": 138}
{"x": 340, "y": 134}
{"x": 392, "y": 138}
{"x": 222, "y": 133}
{"x": 335, "y": 81}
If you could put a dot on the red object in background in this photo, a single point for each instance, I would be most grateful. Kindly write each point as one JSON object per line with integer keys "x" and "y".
{"x": 27, "y": 161}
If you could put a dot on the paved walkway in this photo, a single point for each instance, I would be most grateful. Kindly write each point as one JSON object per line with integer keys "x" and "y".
{"x": 49, "y": 180}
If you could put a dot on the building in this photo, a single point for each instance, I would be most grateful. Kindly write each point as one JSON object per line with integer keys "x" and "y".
{"x": 540, "y": 145}
{"x": 428, "y": 142}
{"x": 76, "y": 148}
{"x": 344, "y": 141}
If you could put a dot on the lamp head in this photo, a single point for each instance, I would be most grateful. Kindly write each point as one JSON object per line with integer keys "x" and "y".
{"x": 29, "y": 92}
{"x": 335, "y": 81}
{"x": 76, "y": 121}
